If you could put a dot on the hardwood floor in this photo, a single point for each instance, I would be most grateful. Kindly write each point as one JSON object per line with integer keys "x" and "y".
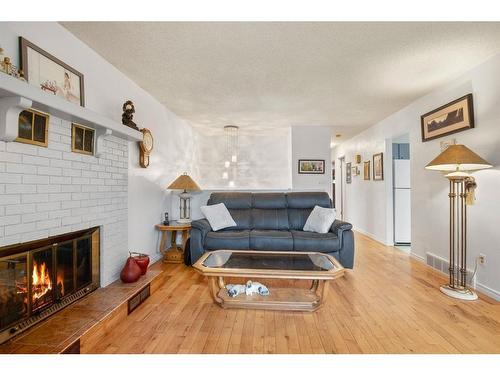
{"x": 389, "y": 303}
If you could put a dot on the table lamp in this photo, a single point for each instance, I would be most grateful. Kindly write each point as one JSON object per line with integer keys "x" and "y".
{"x": 458, "y": 160}
{"x": 184, "y": 183}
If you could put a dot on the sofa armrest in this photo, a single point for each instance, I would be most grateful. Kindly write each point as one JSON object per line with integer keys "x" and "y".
{"x": 202, "y": 225}
{"x": 339, "y": 225}
{"x": 343, "y": 231}
{"x": 199, "y": 230}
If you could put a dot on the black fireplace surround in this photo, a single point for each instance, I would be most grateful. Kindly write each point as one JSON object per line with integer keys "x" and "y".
{"x": 39, "y": 278}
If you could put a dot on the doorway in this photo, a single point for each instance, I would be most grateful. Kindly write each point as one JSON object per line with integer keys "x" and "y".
{"x": 341, "y": 184}
{"x": 401, "y": 185}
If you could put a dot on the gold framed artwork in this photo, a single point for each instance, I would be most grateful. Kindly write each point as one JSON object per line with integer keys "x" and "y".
{"x": 308, "y": 166}
{"x": 50, "y": 74}
{"x": 450, "y": 118}
{"x": 33, "y": 128}
{"x": 366, "y": 175}
{"x": 378, "y": 167}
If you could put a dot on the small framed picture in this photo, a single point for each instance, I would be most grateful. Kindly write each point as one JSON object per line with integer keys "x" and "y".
{"x": 453, "y": 117}
{"x": 307, "y": 166}
{"x": 366, "y": 175}
{"x": 378, "y": 167}
{"x": 348, "y": 173}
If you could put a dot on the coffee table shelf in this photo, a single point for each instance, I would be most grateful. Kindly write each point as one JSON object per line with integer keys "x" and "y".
{"x": 316, "y": 267}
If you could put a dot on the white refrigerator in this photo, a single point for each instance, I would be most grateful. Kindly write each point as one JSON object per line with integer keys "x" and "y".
{"x": 402, "y": 202}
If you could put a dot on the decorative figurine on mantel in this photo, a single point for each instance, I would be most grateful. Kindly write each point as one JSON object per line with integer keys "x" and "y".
{"x": 128, "y": 115}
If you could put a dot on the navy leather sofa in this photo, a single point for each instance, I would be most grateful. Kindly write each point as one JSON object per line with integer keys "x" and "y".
{"x": 272, "y": 221}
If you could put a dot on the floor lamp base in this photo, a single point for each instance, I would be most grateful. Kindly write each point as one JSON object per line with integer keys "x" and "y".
{"x": 464, "y": 294}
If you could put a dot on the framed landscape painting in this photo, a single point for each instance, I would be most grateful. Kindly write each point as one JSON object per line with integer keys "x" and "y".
{"x": 311, "y": 166}
{"x": 50, "y": 74}
{"x": 453, "y": 117}
{"x": 378, "y": 167}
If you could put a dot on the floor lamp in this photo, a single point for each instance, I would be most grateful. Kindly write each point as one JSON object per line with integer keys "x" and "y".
{"x": 458, "y": 161}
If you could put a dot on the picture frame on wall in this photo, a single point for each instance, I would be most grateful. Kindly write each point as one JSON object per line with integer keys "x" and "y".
{"x": 378, "y": 167}
{"x": 50, "y": 74}
{"x": 309, "y": 166}
{"x": 450, "y": 118}
{"x": 348, "y": 173}
{"x": 366, "y": 174}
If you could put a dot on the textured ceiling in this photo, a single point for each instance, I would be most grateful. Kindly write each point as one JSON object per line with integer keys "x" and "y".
{"x": 344, "y": 75}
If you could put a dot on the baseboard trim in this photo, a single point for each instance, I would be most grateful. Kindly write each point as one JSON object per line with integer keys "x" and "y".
{"x": 372, "y": 236}
{"x": 478, "y": 286}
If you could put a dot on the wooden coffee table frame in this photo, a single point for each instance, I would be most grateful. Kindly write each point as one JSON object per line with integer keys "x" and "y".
{"x": 291, "y": 299}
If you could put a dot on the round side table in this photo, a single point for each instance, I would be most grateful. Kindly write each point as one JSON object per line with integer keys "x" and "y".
{"x": 174, "y": 254}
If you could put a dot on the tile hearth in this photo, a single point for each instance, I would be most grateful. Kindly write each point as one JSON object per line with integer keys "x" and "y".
{"x": 86, "y": 319}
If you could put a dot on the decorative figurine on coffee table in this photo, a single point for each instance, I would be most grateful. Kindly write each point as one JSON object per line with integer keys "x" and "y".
{"x": 128, "y": 115}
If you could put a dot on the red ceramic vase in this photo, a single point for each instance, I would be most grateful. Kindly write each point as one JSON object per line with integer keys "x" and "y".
{"x": 142, "y": 261}
{"x": 131, "y": 272}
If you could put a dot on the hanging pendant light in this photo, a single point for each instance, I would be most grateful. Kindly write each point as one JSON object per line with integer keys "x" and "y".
{"x": 231, "y": 154}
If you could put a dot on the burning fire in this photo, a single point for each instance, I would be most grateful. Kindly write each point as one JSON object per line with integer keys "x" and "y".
{"x": 41, "y": 283}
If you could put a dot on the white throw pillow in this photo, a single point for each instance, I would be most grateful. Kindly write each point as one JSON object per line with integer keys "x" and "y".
{"x": 218, "y": 216}
{"x": 320, "y": 220}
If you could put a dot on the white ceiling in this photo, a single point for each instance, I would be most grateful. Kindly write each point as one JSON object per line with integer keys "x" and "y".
{"x": 344, "y": 75}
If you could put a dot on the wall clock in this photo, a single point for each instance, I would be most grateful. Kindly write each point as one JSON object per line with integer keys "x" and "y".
{"x": 145, "y": 146}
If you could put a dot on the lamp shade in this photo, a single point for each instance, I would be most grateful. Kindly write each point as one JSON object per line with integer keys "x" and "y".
{"x": 184, "y": 182}
{"x": 458, "y": 158}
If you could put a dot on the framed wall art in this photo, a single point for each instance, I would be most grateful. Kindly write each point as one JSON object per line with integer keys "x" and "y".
{"x": 307, "y": 166}
{"x": 453, "y": 117}
{"x": 366, "y": 170}
{"x": 348, "y": 173}
{"x": 378, "y": 167}
{"x": 50, "y": 74}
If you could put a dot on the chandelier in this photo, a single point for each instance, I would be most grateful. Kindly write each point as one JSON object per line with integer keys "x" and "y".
{"x": 231, "y": 154}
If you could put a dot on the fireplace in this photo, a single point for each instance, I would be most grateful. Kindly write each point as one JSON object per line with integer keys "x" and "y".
{"x": 39, "y": 278}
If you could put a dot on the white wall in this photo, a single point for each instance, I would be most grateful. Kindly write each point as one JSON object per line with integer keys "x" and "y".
{"x": 311, "y": 142}
{"x": 106, "y": 89}
{"x": 369, "y": 203}
{"x": 263, "y": 158}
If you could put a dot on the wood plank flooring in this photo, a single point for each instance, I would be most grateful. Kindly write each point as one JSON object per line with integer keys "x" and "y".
{"x": 389, "y": 303}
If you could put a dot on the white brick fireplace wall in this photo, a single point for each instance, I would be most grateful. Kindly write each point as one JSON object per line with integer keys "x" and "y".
{"x": 49, "y": 191}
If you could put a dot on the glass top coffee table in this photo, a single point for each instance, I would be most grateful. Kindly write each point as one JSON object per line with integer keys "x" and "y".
{"x": 256, "y": 265}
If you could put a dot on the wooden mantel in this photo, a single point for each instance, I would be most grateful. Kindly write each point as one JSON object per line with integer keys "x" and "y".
{"x": 16, "y": 95}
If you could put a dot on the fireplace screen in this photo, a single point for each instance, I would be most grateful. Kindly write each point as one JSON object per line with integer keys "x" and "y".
{"x": 41, "y": 277}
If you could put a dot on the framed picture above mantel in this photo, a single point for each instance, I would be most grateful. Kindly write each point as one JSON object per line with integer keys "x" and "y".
{"x": 450, "y": 118}
{"x": 50, "y": 74}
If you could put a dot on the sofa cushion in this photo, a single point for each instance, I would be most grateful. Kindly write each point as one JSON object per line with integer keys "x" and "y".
{"x": 269, "y": 200}
{"x": 310, "y": 241}
{"x": 243, "y": 219}
{"x": 308, "y": 199}
{"x": 297, "y": 217}
{"x": 218, "y": 216}
{"x": 277, "y": 240}
{"x": 228, "y": 239}
{"x": 232, "y": 200}
{"x": 320, "y": 220}
{"x": 276, "y": 219}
